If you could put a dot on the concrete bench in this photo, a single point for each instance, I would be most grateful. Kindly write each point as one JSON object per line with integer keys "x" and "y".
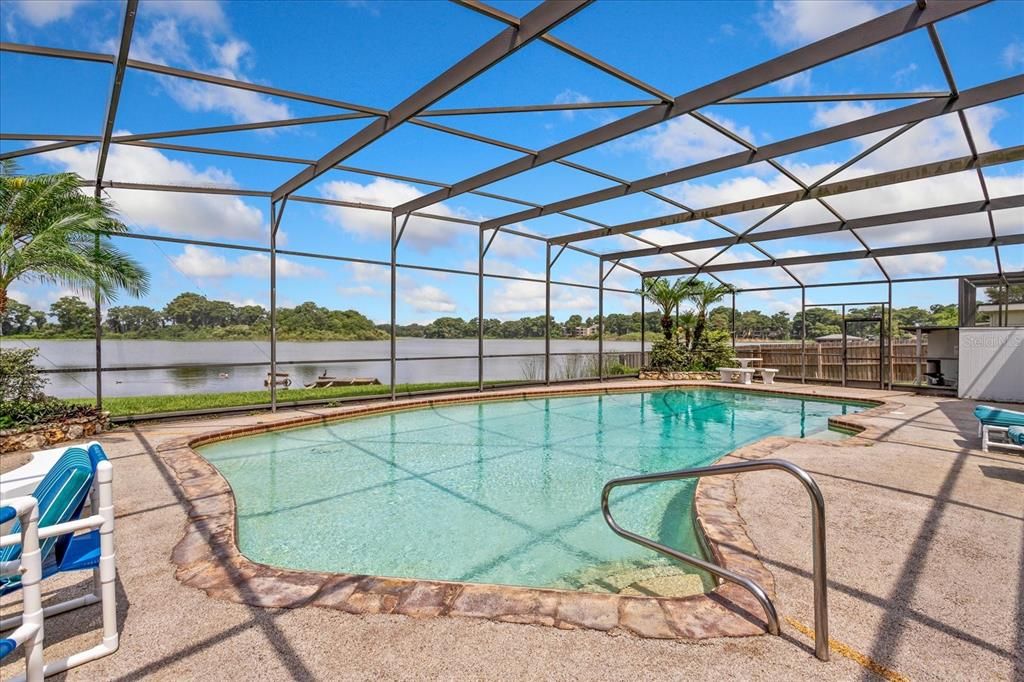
{"x": 736, "y": 374}
{"x": 768, "y": 375}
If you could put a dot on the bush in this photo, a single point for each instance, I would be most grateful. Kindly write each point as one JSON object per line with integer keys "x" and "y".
{"x": 714, "y": 351}
{"x": 19, "y": 377}
{"x": 20, "y": 413}
{"x": 22, "y": 402}
{"x": 668, "y": 356}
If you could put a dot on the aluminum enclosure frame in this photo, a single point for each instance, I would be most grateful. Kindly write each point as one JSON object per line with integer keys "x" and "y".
{"x": 418, "y": 110}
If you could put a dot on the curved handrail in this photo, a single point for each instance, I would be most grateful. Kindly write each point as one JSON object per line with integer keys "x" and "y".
{"x": 817, "y": 538}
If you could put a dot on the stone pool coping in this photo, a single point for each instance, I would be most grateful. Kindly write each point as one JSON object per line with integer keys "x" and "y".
{"x": 207, "y": 557}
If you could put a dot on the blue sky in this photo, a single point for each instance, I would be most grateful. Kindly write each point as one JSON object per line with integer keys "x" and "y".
{"x": 376, "y": 53}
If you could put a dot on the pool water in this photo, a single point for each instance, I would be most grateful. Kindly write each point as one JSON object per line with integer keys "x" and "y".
{"x": 498, "y": 492}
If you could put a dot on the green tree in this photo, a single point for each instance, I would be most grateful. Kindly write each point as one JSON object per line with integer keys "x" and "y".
{"x": 74, "y": 316}
{"x": 187, "y": 309}
{"x": 703, "y": 295}
{"x": 52, "y": 232}
{"x": 134, "y": 318}
{"x": 16, "y": 319}
{"x": 820, "y": 322}
{"x": 945, "y": 315}
{"x": 1013, "y": 293}
{"x": 666, "y": 296}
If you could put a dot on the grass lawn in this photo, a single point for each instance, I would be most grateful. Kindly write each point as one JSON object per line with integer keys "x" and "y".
{"x": 154, "y": 404}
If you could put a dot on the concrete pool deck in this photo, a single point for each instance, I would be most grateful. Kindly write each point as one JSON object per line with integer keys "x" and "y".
{"x": 925, "y": 558}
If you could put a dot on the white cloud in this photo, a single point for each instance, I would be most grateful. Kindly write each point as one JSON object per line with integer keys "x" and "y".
{"x": 174, "y": 213}
{"x": 39, "y": 295}
{"x": 200, "y": 262}
{"x": 183, "y": 34}
{"x": 422, "y": 234}
{"x": 513, "y": 246}
{"x": 932, "y": 140}
{"x": 360, "y": 290}
{"x": 428, "y": 298}
{"x": 569, "y": 96}
{"x": 40, "y": 13}
{"x": 797, "y": 83}
{"x": 811, "y": 272}
{"x": 911, "y": 264}
{"x": 1013, "y": 55}
{"x": 370, "y": 274}
{"x": 826, "y": 116}
{"x": 797, "y": 22}
{"x": 981, "y": 264}
{"x": 514, "y": 298}
{"x": 684, "y": 140}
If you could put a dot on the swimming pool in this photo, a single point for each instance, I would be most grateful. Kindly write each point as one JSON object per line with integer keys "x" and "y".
{"x": 498, "y": 492}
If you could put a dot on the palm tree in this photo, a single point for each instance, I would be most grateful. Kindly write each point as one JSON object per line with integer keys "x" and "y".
{"x": 687, "y": 320}
{"x": 666, "y": 296}
{"x": 51, "y": 232}
{"x": 703, "y": 295}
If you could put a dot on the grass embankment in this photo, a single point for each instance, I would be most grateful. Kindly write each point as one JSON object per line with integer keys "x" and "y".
{"x": 157, "y": 404}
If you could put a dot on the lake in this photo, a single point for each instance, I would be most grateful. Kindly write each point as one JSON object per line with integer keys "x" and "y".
{"x": 166, "y": 369}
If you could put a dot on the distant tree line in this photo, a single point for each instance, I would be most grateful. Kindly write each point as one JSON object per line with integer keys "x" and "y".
{"x": 193, "y": 316}
{"x": 189, "y": 316}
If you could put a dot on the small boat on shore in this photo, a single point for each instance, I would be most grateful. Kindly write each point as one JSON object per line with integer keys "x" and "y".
{"x": 283, "y": 379}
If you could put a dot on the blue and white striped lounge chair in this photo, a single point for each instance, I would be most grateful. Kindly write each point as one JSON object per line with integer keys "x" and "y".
{"x": 1015, "y": 434}
{"x": 999, "y": 421}
{"x": 29, "y": 635}
{"x": 61, "y": 497}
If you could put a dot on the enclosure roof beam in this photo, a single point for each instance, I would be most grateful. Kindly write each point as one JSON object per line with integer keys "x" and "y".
{"x": 559, "y": 44}
{"x": 537, "y": 22}
{"x": 831, "y": 227}
{"x": 65, "y": 141}
{"x": 534, "y": 108}
{"x": 886, "y": 252}
{"x": 131, "y": 7}
{"x": 898, "y": 280}
{"x": 562, "y": 162}
{"x": 234, "y": 191}
{"x": 890, "y": 119}
{"x": 165, "y": 70}
{"x": 850, "y": 97}
{"x": 865, "y": 35}
{"x": 885, "y": 178}
{"x": 947, "y": 70}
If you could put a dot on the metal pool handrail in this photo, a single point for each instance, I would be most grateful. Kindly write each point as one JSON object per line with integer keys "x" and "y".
{"x": 817, "y": 538}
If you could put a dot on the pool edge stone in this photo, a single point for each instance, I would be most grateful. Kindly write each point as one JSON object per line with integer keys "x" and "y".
{"x": 207, "y": 555}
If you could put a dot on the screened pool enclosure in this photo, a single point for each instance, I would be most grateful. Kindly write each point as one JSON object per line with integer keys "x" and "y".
{"x": 844, "y": 235}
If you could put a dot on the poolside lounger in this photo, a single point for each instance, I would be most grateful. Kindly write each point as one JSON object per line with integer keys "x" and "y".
{"x": 61, "y": 497}
{"x": 28, "y": 566}
{"x": 997, "y": 420}
{"x": 1015, "y": 434}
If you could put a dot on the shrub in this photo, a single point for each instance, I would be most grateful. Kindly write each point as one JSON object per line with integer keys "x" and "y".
{"x": 19, "y": 413}
{"x": 668, "y": 356}
{"x": 714, "y": 350}
{"x": 614, "y": 368}
{"x": 19, "y": 377}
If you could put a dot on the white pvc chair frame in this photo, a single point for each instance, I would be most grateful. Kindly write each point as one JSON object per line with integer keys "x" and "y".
{"x": 29, "y": 633}
{"x": 986, "y": 431}
{"x": 104, "y": 577}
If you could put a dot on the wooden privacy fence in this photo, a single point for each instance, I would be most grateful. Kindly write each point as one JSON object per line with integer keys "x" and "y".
{"x": 824, "y": 361}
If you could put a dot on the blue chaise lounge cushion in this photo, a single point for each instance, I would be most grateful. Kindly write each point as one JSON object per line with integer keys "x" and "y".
{"x": 1016, "y": 434}
{"x": 61, "y": 495}
{"x": 994, "y": 416}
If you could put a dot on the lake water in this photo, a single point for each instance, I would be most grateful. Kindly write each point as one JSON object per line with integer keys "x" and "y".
{"x": 168, "y": 371}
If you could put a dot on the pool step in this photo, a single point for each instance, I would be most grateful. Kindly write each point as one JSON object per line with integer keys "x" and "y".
{"x": 636, "y": 578}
